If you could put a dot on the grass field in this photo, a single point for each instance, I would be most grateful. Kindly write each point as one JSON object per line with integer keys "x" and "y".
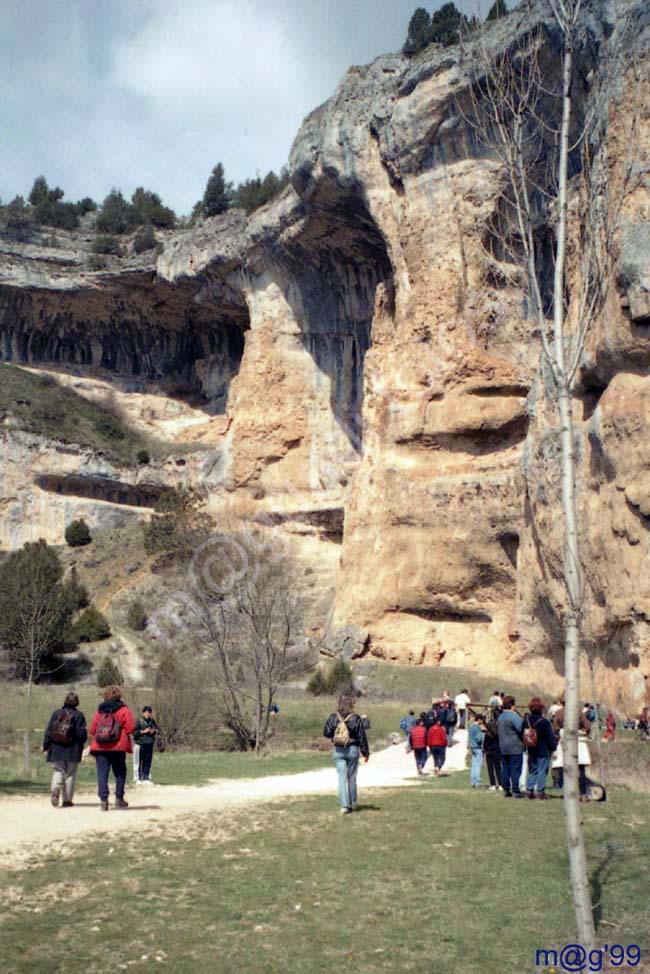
{"x": 425, "y": 879}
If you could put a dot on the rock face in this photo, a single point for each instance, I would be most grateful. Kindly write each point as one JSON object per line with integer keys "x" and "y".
{"x": 383, "y": 399}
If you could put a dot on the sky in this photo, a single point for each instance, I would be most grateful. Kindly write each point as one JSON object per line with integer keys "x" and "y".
{"x": 99, "y": 94}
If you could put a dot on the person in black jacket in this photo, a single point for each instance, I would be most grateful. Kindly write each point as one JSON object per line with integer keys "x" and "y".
{"x": 346, "y": 731}
{"x": 492, "y": 754}
{"x": 539, "y": 755}
{"x": 146, "y": 731}
{"x": 65, "y": 736}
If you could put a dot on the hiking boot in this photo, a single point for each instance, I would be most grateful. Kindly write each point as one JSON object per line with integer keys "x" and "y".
{"x": 54, "y": 798}
{"x": 66, "y": 805}
{"x": 104, "y": 804}
{"x": 531, "y": 795}
{"x": 121, "y": 803}
{"x": 507, "y": 794}
{"x": 346, "y": 811}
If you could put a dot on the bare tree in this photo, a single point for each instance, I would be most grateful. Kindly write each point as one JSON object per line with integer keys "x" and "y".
{"x": 535, "y": 127}
{"x": 241, "y": 612}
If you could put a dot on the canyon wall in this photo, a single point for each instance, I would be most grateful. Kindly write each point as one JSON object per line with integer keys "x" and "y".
{"x": 370, "y": 384}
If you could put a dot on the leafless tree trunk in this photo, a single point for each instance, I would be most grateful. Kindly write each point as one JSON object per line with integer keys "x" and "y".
{"x": 248, "y": 623}
{"x": 510, "y": 110}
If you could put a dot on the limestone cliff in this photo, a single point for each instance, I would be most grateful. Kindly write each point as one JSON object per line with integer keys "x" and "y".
{"x": 379, "y": 381}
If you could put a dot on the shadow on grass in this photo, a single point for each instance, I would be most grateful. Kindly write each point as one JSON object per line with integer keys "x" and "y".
{"x": 367, "y": 808}
{"x": 23, "y": 786}
{"x": 600, "y": 875}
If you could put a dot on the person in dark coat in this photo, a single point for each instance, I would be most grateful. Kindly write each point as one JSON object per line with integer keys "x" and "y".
{"x": 539, "y": 756}
{"x": 492, "y": 754}
{"x": 64, "y": 739}
{"x": 146, "y": 731}
{"x": 346, "y": 756}
{"x": 510, "y": 728}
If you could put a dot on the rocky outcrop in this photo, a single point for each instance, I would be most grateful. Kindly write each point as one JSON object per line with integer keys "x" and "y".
{"x": 384, "y": 404}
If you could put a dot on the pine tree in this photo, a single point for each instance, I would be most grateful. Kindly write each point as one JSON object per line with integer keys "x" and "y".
{"x": 216, "y": 198}
{"x": 419, "y": 28}
{"x": 497, "y": 10}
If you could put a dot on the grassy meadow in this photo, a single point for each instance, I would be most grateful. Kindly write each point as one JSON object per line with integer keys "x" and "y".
{"x": 425, "y": 879}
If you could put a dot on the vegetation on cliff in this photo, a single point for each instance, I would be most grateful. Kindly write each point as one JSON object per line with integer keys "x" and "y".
{"x": 38, "y": 404}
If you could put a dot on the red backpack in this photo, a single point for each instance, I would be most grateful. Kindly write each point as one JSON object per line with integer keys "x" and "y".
{"x": 108, "y": 729}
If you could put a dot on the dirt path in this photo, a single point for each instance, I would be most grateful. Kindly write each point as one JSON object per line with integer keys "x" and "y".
{"x": 27, "y": 824}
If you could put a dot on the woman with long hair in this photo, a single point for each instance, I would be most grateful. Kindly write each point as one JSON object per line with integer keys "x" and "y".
{"x": 346, "y": 731}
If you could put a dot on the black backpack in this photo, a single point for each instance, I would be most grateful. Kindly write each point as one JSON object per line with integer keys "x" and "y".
{"x": 62, "y": 730}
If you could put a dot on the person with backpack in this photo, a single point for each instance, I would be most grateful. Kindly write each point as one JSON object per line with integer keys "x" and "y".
{"x": 346, "y": 731}
{"x": 510, "y": 728}
{"x": 437, "y": 741}
{"x": 407, "y": 724}
{"x": 110, "y": 731}
{"x": 64, "y": 739}
{"x": 540, "y": 743}
{"x": 432, "y": 713}
{"x": 451, "y": 718}
{"x": 146, "y": 731}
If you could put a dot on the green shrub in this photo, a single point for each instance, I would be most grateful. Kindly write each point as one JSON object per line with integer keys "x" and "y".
{"x": 333, "y": 677}
{"x": 108, "y": 673}
{"x": 18, "y": 219}
{"x": 143, "y": 457}
{"x": 96, "y": 263}
{"x": 107, "y": 245}
{"x": 116, "y": 215}
{"x": 91, "y": 626}
{"x": 110, "y": 427}
{"x": 77, "y": 534}
{"x": 148, "y": 209}
{"x": 76, "y": 592}
{"x": 136, "y": 616}
{"x": 145, "y": 239}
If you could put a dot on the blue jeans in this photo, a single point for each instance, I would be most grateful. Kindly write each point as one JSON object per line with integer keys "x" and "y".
{"x": 438, "y": 754}
{"x": 476, "y": 766}
{"x": 107, "y": 761}
{"x": 537, "y": 772}
{"x": 346, "y": 760}
{"x": 421, "y": 755}
{"x": 450, "y": 734}
{"x": 511, "y": 765}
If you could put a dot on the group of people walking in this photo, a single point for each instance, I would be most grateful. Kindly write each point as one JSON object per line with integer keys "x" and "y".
{"x": 500, "y": 738}
{"x": 113, "y": 731}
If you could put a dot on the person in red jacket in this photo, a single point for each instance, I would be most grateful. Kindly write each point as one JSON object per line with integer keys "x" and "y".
{"x": 418, "y": 740}
{"x": 437, "y": 741}
{"x": 110, "y": 731}
{"x": 610, "y": 732}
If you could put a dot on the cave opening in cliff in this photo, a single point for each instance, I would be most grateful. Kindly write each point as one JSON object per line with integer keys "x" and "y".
{"x": 140, "y": 335}
{"x": 339, "y": 262}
